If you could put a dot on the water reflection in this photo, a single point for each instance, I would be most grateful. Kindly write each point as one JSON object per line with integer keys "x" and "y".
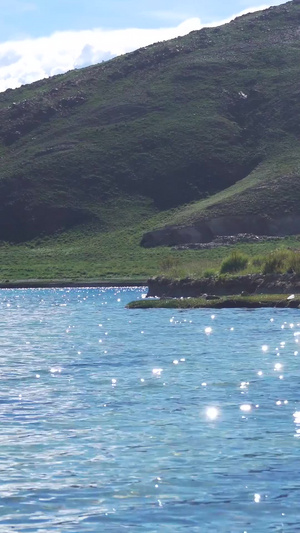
{"x": 246, "y": 407}
{"x": 157, "y": 371}
{"x": 212, "y": 413}
{"x": 296, "y": 416}
{"x": 278, "y": 366}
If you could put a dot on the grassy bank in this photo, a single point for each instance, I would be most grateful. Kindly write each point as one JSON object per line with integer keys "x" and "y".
{"x": 256, "y": 301}
{"x": 267, "y": 257}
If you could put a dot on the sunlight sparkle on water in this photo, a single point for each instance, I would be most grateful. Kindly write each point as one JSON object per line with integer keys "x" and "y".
{"x": 212, "y": 413}
{"x": 296, "y": 416}
{"x": 257, "y": 498}
{"x": 278, "y": 367}
{"x": 157, "y": 371}
{"x": 265, "y": 347}
{"x": 55, "y": 370}
{"x": 279, "y": 402}
{"x": 246, "y": 407}
{"x": 208, "y": 330}
{"x": 244, "y": 384}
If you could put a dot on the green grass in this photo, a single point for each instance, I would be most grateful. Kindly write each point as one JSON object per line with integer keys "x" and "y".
{"x": 94, "y": 255}
{"x": 282, "y": 261}
{"x": 240, "y": 259}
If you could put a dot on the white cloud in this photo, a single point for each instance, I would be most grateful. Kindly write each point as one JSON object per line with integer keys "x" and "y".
{"x": 28, "y": 60}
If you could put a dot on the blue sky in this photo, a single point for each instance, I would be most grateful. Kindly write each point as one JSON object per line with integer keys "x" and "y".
{"x": 39, "y": 38}
{"x": 37, "y": 18}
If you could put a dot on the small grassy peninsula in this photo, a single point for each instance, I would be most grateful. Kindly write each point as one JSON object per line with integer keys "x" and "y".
{"x": 270, "y": 280}
{"x": 254, "y": 301}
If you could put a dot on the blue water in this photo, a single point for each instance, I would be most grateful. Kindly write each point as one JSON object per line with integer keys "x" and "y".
{"x": 166, "y": 421}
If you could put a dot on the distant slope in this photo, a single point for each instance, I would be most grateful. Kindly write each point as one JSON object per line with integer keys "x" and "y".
{"x": 211, "y": 118}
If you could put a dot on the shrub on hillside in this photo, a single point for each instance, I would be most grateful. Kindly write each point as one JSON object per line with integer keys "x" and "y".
{"x": 276, "y": 262}
{"x": 258, "y": 260}
{"x": 294, "y": 262}
{"x": 235, "y": 262}
{"x": 209, "y": 273}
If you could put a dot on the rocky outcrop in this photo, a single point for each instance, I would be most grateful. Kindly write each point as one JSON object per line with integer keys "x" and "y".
{"x": 227, "y": 240}
{"x": 207, "y": 230}
{"x": 251, "y": 284}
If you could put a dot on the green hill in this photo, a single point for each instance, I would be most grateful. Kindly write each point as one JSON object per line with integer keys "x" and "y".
{"x": 198, "y": 128}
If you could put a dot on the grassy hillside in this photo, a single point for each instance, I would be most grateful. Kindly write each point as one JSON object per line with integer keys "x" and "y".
{"x": 202, "y": 125}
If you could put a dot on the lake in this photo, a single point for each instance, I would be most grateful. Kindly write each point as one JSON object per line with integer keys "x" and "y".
{"x": 146, "y": 420}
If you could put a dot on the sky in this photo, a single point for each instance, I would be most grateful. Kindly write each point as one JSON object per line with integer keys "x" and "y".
{"x": 40, "y": 38}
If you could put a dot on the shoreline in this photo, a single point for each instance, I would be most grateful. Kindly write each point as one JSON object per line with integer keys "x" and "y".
{"x": 247, "y": 291}
{"x": 69, "y": 284}
{"x": 224, "y": 286}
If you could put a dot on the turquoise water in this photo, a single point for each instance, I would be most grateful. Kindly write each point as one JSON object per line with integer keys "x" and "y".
{"x": 133, "y": 420}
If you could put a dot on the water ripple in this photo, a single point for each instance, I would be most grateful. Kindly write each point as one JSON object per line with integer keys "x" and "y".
{"x": 117, "y": 420}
